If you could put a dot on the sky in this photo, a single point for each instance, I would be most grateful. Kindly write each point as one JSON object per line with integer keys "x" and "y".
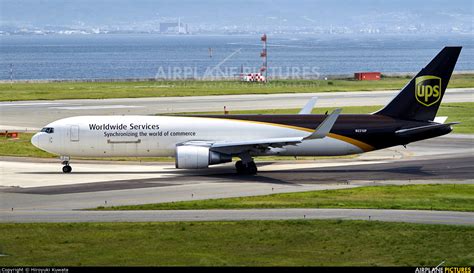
{"x": 40, "y": 13}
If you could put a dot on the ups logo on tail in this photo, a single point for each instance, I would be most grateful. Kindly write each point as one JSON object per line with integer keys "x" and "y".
{"x": 428, "y": 90}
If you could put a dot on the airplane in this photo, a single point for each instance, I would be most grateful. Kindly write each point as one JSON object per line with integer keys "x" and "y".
{"x": 198, "y": 141}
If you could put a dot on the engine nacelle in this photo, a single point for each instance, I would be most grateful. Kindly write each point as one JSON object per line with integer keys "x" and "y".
{"x": 198, "y": 157}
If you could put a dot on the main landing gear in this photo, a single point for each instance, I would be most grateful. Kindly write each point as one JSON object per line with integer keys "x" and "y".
{"x": 65, "y": 161}
{"x": 249, "y": 168}
{"x": 246, "y": 165}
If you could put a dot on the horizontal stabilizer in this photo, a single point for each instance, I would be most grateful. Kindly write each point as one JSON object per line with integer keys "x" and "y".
{"x": 440, "y": 119}
{"x": 308, "y": 108}
{"x": 423, "y": 128}
{"x": 325, "y": 127}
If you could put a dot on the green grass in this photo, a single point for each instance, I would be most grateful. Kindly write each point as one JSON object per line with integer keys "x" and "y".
{"x": 246, "y": 243}
{"x": 462, "y": 112}
{"x": 21, "y": 147}
{"x": 423, "y": 197}
{"x": 104, "y": 90}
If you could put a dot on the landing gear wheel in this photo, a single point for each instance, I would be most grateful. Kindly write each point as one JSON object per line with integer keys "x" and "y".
{"x": 67, "y": 169}
{"x": 252, "y": 168}
{"x": 239, "y": 166}
{"x": 249, "y": 168}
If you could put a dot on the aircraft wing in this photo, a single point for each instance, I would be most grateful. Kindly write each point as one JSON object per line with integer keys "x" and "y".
{"x": 237, "y": 146}
{"x": 269, "y": 142}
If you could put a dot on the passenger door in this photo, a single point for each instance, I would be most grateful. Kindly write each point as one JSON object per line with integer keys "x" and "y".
{"x": 74, "y": 133}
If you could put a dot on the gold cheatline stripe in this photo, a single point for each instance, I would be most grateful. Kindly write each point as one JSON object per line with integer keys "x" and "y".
{"x": 362, "y": 145}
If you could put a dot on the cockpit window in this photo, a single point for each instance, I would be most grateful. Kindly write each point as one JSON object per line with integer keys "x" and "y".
{"x": 48, "y": 130}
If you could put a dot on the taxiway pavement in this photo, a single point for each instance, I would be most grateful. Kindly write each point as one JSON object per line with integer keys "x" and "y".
{"x": 411, "y": 216}
{"x": 36, "y": 190}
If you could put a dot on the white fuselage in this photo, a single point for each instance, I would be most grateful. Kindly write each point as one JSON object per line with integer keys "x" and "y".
{"x": 151, "y": 136}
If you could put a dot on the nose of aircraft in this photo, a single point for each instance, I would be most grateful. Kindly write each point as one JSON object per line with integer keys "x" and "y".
{"x": 35, "y": 140}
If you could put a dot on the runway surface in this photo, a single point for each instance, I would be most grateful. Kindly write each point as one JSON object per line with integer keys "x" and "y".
{"x": 32, "y": 115}
{"x": 38, "y": 191}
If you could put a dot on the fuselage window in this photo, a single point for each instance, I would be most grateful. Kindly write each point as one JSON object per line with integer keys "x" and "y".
{"x": 48, "y": 130}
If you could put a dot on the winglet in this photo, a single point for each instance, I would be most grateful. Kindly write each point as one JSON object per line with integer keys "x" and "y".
{"x": 308, "y": 108}
{"x": 325, "y": 127}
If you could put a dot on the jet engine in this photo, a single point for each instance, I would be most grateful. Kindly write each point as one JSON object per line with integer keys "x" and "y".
{"x": 198, "y": 157}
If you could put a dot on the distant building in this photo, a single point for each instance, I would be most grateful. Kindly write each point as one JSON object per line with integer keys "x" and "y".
{"x": 175, "y": 27}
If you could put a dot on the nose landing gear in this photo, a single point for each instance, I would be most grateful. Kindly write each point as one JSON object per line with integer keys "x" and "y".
{"x": 65, "y": 161}
{"x": 67, "y": 168}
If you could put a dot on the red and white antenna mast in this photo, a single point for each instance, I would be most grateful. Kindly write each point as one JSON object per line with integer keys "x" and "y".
{"x": 263, "y": 54}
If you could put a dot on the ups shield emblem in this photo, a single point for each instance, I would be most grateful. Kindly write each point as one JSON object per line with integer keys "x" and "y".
{"x": 428, "y": 90}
